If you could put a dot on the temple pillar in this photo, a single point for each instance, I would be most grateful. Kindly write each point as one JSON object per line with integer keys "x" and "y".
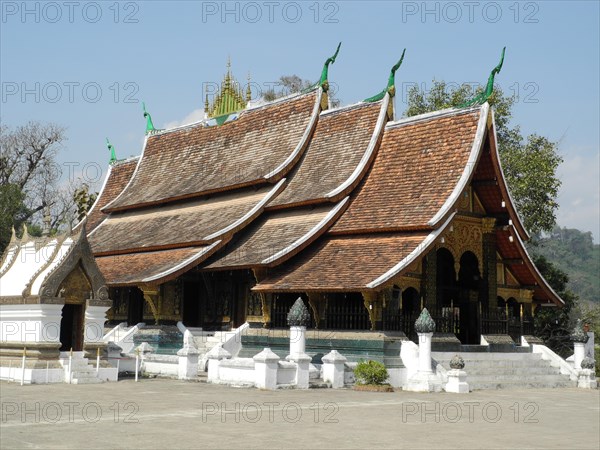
{"x": 429, "y": 281}
{"x": 267, "y": 301}
{"x": 373, "y": 305}
{"x": 489, "y": 281}
{"x": 152, "y": 297}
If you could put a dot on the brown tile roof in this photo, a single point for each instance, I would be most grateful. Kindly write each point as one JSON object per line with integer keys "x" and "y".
{"x": 277, "y": 236}
{"x": 146, "y": 267}
{"x": 180, "y": 224}
{"x": 417, "y": 167}
{"x": 340, "y": 140}
{"x": 342, "y": 263}
{"x": 117, "y": 178}
{"x": 194, "y": 160}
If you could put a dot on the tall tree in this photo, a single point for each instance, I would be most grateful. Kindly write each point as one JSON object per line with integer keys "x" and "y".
{"x": 554, "y": 325}
{"x": 30, "y": 179}
{"x": 529, "y": 164}
{"x": 291, "y": 84}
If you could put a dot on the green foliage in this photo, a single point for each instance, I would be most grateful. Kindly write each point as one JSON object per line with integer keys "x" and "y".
{"x": 529, "y": 164}
{"x": 575, "y": 253}
{"x": 14, "y": 211}
{"x": 290, "y": 84}
{"x": 554, "y": 325}
{"x": 370, "y": 372}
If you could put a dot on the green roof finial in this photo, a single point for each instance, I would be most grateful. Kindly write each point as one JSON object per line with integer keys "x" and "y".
{"x": 390, "y": 88}
{"x": 483, "y": 96}
{"x": 324, "y": 73}
{"x": 113, "y": 155}
{"x": 149, "y": 124}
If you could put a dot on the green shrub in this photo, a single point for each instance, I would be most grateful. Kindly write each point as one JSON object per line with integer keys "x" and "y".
{"x": 370, "y": 372}
{"x": 597, "y": 358}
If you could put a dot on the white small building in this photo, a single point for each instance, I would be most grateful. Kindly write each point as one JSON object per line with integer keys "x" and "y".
{"x": 53, "y": 299}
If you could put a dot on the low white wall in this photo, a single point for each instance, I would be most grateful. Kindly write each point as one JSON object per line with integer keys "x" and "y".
{"x": 32, "y": 376}
{"x": 237, "y": 371}
{"x": 160, "y": 365}
{"x": 286, "y": 372}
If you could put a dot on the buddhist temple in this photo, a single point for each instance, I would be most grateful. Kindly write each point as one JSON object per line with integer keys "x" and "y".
{"x": 365, "y": 215}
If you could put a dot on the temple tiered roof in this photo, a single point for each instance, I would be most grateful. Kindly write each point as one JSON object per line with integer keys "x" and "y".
{"x": 260, "y": 146}
{"x": 327, "y": 200}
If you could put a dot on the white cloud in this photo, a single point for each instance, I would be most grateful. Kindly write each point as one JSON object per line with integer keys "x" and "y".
{"x": 579, "y": 196}
{"x": 195, "y": 116}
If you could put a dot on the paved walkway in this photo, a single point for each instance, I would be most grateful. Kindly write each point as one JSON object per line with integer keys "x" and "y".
{"x": 175, "y": 414}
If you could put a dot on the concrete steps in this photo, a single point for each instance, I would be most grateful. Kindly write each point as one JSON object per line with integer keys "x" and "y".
{"x": 506, "y": 370}
{"x": 82, "y": 372}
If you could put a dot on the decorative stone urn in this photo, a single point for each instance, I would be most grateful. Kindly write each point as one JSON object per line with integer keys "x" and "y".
{"x": 457, "y": 377}
{"x": 424, "y": 380}
{"x": 457, "y": 362}
{"x": 579, "y": 338}
{"x": 424, "y": 324}
{"x": 298, "y": 318}
{"x": 587, "y": 375}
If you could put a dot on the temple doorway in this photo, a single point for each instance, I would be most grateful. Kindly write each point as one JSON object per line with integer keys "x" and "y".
{"x": 468, "y": 292}
{"x": 135, "y": 312}
{"x": 71, "y": 327}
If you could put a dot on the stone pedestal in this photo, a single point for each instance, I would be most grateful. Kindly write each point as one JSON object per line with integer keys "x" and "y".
{"x": 95, "y": 318}
{"x": 302, "y": 369}
{"x": 297, "y": 340}
{"x": 457, "y": 382}
{"x": 579, "y": 353}
{"x": 188, "y": 363}
{"x": 265, "y": 369}
{"x": 587, "y": 379}
{"x": 425, "y": 352}
{"x": 333, "y": 369}
{"x": 587, "y": 374}
{"x": 215, "y": 356}
{"x": 424, "y": 380}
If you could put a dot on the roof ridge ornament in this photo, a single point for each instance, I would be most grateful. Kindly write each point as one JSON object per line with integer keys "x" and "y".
{"x": 113, "y": 155}
{"x": 483, "y": 97}
{"x": 391, "y": 86}
{"x": 323, "y": 81}
{"x": 149, "y": 125}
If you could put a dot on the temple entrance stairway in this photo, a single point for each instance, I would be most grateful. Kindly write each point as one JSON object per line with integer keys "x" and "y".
{"x": 82, "y": 372}
{"x": 501, "y": 370}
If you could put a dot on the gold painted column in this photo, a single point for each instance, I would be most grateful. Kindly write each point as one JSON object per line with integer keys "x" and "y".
{"x": 152, "y": 297}
{"x": 489, "y": 290}
{"x": 266, "y": 299}
{"x": 373, "y": 305}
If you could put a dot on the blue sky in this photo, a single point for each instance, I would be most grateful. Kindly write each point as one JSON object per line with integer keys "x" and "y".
{"x": 88, "y": 66}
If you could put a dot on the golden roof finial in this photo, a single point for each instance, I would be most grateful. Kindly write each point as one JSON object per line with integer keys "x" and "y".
{"x": 229, "y": 99}
{"x": 248, "y": 90}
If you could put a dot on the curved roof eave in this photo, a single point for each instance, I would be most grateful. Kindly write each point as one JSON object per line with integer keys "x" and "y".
{"x": 468, "y": 171}
{"x": 137, "y": 166}
{"x": 293, "y": 158}
{"x": 512, "y": 211}
{"x": 422, "y": 248}
{"x": 305, "y": 240}
{"x": 185, "y": 265}
{"x": 541, "y": 281}
{"x": 367, "y": 158}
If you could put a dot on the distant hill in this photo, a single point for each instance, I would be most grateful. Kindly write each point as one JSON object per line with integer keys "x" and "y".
{"x": 574, "y": 252}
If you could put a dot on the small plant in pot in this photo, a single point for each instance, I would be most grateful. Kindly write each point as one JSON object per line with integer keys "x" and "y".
{"x": 371, "y": 376}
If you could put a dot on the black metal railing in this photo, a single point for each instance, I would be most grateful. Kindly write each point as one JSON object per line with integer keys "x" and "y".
{"x": 347, "y": 315}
